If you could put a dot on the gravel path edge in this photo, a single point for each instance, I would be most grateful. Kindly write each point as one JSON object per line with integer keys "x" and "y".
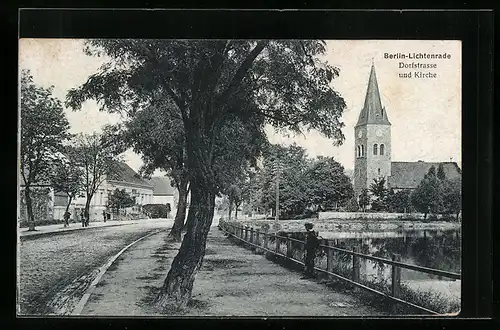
{"x": 102, "y": 270}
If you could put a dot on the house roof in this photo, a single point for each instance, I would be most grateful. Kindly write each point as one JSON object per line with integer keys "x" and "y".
{"x": 407, "y": 175}
{"x": 161, "y": 186}
{"x": 125, "y": 173}
{"x": 373, "y": 112}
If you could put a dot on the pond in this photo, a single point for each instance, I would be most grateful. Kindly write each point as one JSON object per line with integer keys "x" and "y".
{"x": 437, "y": 249}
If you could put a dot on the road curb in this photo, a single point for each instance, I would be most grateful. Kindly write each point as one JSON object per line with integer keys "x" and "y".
{"x": 67, "y": 231}
{"x": 102, "y": 270}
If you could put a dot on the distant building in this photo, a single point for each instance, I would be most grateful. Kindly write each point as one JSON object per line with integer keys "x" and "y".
{"x": 163, "y": 192}
{"x": 125, "y": 177}
{"x": 407, "y": 175}
{"x": 372, "y": 149}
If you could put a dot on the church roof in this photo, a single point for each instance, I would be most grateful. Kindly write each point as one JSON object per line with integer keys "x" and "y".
{"x": 407, "y": 175}
{"x": 373, "y": 112}
{"x": 161, "y": 186}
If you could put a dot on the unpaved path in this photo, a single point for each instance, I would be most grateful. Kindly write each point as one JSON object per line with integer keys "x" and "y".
{"x": 55, "y": 270}
{"x": 232, "y": 282}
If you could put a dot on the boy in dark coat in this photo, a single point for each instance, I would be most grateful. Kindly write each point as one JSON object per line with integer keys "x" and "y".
{"x": 312, "y": 243}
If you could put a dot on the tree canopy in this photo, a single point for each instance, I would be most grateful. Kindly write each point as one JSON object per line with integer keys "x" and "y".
{"x": 67, "y": 176}
{"x": 379, "y": 193}
{"x": 427, "y": 197}
{"x": 307, "y": 185}
{"x": 120, "y": 199}
{"x": 97, "y": 154}
{"x": 44, "y": 128}
{"x": 215, "y": 84}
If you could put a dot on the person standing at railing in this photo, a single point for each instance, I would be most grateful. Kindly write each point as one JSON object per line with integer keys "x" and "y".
{"x": 311, "y": 246}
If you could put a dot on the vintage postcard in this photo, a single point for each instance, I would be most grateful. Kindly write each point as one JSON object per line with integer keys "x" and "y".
{"x": 162, "y": 177}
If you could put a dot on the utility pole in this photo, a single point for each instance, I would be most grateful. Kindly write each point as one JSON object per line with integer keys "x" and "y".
{"x": 277, "y": 190}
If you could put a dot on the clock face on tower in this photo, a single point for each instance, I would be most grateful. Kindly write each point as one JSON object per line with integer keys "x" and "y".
{"x": 360, "y": 134}
{"x": 379, "y": 132}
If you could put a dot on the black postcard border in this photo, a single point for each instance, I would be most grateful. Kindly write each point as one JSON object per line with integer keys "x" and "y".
{"x": 474, "y": 28}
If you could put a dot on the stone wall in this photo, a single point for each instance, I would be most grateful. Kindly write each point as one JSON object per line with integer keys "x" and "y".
{"x": 368, "y": 215}
{"x": 323, "y": 225}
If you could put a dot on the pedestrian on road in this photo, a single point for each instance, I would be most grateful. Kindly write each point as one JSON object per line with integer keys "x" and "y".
{"x": 82, "y": 216}
{"x": 311, "y": 245}
{"x": 104, "y": 215}
{"x": 66, "y": 218}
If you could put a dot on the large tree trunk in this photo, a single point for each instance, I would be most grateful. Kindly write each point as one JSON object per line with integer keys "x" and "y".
{"x": 180, "y": 214}
{"x": 29, "y": 209}
{"x": 189, "y": 220}
{"x": 176, "y": 290}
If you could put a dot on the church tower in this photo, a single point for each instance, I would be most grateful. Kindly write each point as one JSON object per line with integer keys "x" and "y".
{"x": 372, "y": 136}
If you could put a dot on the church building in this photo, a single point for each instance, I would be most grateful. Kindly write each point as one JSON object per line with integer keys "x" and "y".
{"x": 372, "y": 149}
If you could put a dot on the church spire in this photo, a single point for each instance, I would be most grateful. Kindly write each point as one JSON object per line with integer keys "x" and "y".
{"x": 373, "y": 112}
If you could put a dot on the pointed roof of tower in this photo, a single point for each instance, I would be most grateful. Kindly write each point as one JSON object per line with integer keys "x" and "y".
{"x": 373, "y": 112}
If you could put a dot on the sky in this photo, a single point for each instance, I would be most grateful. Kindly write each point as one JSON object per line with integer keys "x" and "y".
{"x": 425, "y": 113}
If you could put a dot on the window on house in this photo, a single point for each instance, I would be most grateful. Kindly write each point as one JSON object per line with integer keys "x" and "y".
{"x": 375, "y": 149}
{"x": 382, "y": 149}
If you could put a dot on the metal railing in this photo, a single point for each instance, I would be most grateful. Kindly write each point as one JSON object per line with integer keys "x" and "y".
{"x": 259, "y": 241}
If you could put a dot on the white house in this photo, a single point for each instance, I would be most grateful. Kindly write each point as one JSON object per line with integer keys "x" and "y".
{"x": 165, "y": 193}
{"x": 124, "y": 178}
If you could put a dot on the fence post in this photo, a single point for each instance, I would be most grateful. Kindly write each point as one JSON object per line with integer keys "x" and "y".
{"x": 251, "y": 238}
{"x": 240, "y": 232}
{"x": 289, "y": 247}
{"x": 246, "y": 233}
{"x": 355, "y": 265}
{"x": 396, "y": 276}
{"x": 257, "y": 239}
{"x": 329, "y": 258}
{"x": 277, "y": 241}
{"x": 266, "y": 238}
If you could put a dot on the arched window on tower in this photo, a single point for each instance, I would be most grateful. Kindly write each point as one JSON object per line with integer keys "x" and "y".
{"x": 375, "y": 149}
{"x": 359, "y": 151}
{"x": 382, "y": 147}
{"x": 362, "y": 150}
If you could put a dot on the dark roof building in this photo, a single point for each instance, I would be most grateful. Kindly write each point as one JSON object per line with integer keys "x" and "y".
{"x": 126, "y": 174}
{"x": 407, "y": 175}
{"x": 161, "y": 186}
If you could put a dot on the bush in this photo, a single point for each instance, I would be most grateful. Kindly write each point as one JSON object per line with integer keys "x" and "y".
{"x": 408, "y": 217}
{"x": 352, "y": 205}
{"x": 157, "y": 210}
{"x": 308, "y": 214}
{"x": 432, "y": 217}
